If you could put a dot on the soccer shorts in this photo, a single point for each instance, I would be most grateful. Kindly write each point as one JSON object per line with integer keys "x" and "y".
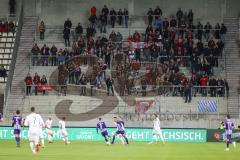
{"x": 156, "y": 131}
{"x": 120, "y": 132}
{"x": 104, "y": 133}
{"x": 16, "y": 131}
{"x": 33, "y": 135}
{"x": 63, "y": 133}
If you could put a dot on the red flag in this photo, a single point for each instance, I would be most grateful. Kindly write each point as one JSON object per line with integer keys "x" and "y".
{"x": 45, "y": 88}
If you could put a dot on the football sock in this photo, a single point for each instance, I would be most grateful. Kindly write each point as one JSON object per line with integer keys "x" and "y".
{"x": 32, "y": 146}
{"x": 105, "y": 138}
{"x": 161, "y": 136}
{"x": 126, "y": 139}
{"x": 113, "y": 139}
{"x": 42, "y": 141}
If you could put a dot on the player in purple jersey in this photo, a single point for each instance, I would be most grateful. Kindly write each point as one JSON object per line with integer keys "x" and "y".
{"x": 229, "y": 126}
{"x": 120, "y": 130}
{"x": 1, "y": 117}
{"x": 17, "y": 123}
{"x": 103, "y": 128}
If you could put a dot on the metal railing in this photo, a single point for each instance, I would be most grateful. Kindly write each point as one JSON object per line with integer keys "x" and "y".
{"x": 14, "y": 57}
{"x": 135, "y": 91}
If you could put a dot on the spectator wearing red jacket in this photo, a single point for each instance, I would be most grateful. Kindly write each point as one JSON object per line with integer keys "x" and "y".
{"x": 136, "y": 36}
{"x": 93, "y": 11}
{"x": 130, "y": 38}
{"x": 204, "y": 82}
{"x": 28, "y": 82}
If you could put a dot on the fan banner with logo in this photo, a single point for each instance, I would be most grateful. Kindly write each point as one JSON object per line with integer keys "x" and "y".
{"x": 142, "y": 105}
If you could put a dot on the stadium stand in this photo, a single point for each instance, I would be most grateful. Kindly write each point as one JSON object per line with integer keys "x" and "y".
{"x": 7, "y": 39}
{"x": 125, "y": 68}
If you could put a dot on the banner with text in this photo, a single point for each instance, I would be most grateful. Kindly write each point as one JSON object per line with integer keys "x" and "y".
{"x": 135, "y": 134}
{"x": 218, "y": 135}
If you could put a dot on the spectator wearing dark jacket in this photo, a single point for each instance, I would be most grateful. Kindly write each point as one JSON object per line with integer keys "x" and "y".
{"x": 188, "y": 92}
{"x": 220, "y": 87}
{"x": 207, "y": 29}
{"x": 109, "y": 83}
{"x": 173, "y": 22}
{"x": 120, "y": 17}
{"x": 223, "y": 31}
{"x": 217, "y": 31}
{"x": 66, "y": 36}
{"x": 126, "y": 17}
{"x": 190, "y": 17}
{"x": 43, "y": 82}
{"x": 157, "y": 12}
{"x": 3, "y": 72}
{"x": 12, "y": 7}
{"x": 35, "y": 53}
{"x": 78, "y": 31}
{"x": 179, "y": 14}
{"x": 68, "y": 23}
{"x": 226, "y": 88}
{"x": 45, "y": 55}
{"x": 113, "y": 15}
{"x": 103, "y": 23}
{"x": 36, "y": 82}
{"x": 199, "y": 31}
{"x": 53, "y": 51}
{"x": 105, "y": 10}
{"x": 212, "y": 84}
{"x": 150, "y": 14}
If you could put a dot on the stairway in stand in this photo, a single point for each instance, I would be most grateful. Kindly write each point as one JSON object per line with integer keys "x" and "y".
{"x": 232, "y": 63}
{"x": 15, "y": 100}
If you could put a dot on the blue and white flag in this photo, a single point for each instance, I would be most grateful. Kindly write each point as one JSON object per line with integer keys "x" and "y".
{"x": 207, "y": 106}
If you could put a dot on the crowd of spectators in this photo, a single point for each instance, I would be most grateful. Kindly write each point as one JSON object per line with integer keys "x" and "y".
{"x": 6, "y": 27}
{"x": 153, "y": 58}
{"x": 35, "y": 82}
{"x": 108, "y": 16}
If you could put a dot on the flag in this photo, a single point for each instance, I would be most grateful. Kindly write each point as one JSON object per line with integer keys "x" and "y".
{"x": 44, "y": 88}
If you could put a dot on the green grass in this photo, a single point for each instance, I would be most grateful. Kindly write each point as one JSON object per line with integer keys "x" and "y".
{"x": 135, "y": 151}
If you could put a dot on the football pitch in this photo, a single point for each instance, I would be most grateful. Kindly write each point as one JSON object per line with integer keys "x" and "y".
{"x": 78, "y": 150}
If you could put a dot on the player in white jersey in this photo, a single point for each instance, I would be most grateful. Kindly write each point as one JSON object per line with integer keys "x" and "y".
{"x": 48, "y": 125}
{"x": 34, "y": 122}
{"x": 157, "y": 132}
{"x": 63, "y": 130}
